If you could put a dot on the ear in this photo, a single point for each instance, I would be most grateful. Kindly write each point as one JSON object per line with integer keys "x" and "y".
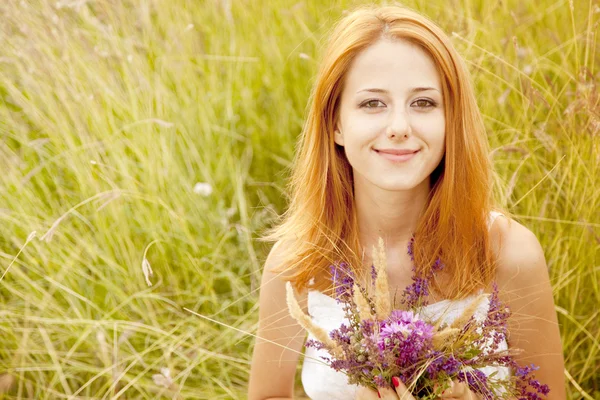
{"x": 338, "y": 137}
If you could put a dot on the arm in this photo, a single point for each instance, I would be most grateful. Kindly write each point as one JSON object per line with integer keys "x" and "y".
{"x": 279, "y": 338}
{"x": 524, "y": 286}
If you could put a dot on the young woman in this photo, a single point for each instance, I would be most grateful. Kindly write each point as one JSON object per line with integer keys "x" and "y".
{"x": 394, "y": 146}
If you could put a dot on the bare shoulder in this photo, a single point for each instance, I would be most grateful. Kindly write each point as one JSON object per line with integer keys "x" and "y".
{"x": 279, "y": 338}
{"x": 275, "y": 275}
{"x": 524, "y": 286}
{"x": 520, "y": 255}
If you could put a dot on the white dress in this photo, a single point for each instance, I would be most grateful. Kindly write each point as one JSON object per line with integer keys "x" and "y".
{"x": 321, "y": 382}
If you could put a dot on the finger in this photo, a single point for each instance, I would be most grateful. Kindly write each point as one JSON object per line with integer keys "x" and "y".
{"x": 401, "y": 389}
{"x": 457, "y": 389}
{"x": 460, "y": 389}
{"x": 364, "y": 393}
{"x": 442, "y": 388}
{"x": 388, "y": 394}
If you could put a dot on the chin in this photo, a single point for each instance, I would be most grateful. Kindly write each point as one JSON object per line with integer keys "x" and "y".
{"x": 397, "y": 186}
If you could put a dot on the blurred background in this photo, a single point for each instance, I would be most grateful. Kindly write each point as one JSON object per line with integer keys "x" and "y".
{"x": 145, "y": 146}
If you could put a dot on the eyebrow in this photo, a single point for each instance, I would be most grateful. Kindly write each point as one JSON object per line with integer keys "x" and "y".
{"x": 413, "y": 90}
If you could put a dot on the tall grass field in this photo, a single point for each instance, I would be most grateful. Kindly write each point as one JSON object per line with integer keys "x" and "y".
{"x": 145, "y": 147}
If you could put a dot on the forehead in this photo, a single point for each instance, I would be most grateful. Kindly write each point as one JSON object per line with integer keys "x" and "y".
{"x": 392, "y": 64}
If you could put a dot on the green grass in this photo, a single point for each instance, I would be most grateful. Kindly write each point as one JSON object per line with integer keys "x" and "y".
{"x": 111, "y": 111}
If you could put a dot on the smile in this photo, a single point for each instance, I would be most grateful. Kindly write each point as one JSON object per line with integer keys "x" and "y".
{"x": 397, "y": 158}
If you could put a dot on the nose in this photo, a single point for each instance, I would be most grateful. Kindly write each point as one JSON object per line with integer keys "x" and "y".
{"x": 399, "y": 125}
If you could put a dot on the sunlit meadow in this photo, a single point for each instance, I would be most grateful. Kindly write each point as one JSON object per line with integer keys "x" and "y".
{"x": 145, "y": 147}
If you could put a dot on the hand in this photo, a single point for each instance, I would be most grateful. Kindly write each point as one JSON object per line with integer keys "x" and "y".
{"x": 400, "y": 391}
{"x": 459, "y": 391}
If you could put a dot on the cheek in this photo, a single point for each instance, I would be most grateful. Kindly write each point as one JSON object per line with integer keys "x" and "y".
{"x": 439, "y": 141}
{"x": 433, "y": 131}
{"x": 433, "y": 122}
{"x": 361, "y": 133}
{"x": 439, "y": 148}
{"x": 357, "y": 147}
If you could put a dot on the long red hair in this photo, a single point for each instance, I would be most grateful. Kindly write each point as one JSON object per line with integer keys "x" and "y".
{"x": 319, "y": 228}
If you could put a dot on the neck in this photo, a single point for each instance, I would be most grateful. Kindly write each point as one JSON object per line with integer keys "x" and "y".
{"x": 391, "y": 215}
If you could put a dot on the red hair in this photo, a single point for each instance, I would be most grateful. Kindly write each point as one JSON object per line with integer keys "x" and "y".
{"x": 320, "y": 225}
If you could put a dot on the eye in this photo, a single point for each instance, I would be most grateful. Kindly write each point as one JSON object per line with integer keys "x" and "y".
{"x": 364, "y": 104}
{"x": 422, "y": 103}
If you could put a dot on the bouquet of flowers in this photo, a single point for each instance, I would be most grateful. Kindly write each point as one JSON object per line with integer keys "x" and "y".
{"x": 378, "y": 343}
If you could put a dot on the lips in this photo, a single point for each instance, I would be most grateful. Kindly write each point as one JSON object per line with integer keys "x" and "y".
{"x": 397, "y": 158}
{"x": 398, "y": 152}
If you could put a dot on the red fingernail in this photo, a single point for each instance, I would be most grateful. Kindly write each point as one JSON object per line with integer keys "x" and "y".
{"x": 395, "y": 381}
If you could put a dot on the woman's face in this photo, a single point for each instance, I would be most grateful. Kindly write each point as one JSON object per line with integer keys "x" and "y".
{"x": 384, "y": 106}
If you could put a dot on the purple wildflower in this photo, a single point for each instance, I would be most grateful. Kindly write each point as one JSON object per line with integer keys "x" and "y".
{"x": 366, "y": 327}
{"x": 415, "y": 294}
{"x": 373, "y": 275}
{"x": 380, "y": 381}
{"x": 406, "y": 337}
{"x": 411, "y": 244}
{"x": 343, "y": 281}
{"x": 442, "y": 363}
{"x": 314, "y": 344}
{"x": 495, "y": 325}
{"x": 526, "y": 380}
{"x": 477, "y": 381}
